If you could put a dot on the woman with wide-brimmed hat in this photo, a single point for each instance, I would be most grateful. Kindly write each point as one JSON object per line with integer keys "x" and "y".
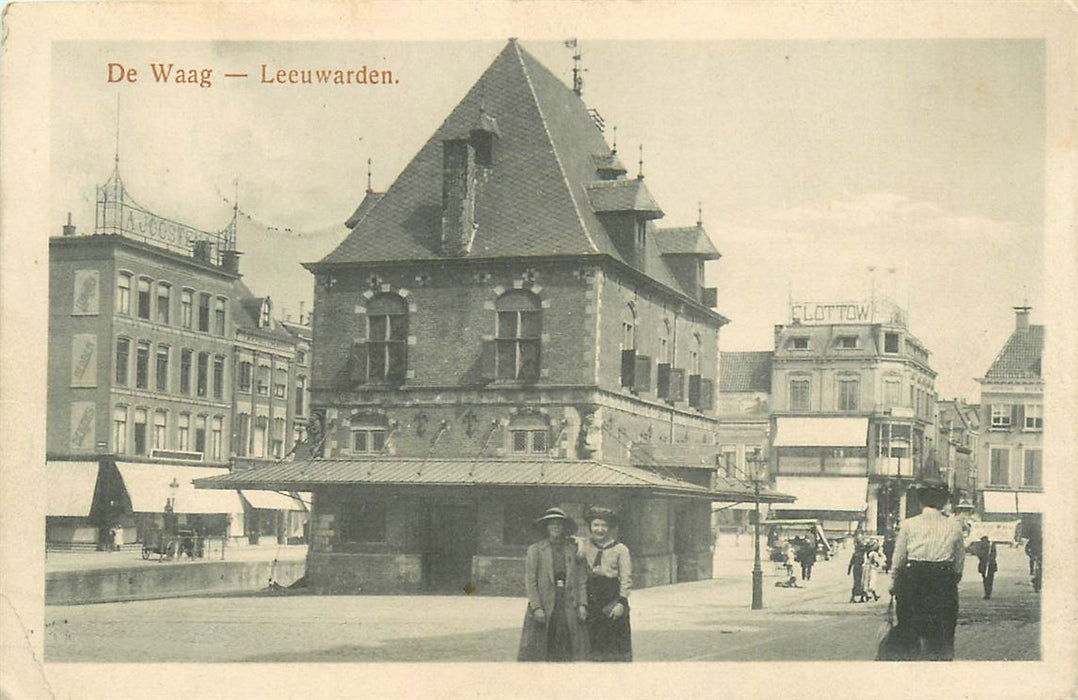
{"x": 555, "y": 581}
{"x": 610, "y": 579}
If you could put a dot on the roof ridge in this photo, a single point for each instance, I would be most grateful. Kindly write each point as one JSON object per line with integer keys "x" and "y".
{"x": 554, "y": 147}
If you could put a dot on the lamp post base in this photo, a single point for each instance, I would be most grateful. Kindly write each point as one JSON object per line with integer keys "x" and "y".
{"x": 757, "y": 589}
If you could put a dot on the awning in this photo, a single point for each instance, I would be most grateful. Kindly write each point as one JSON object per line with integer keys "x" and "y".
{"x": 1005, "y": 502}
{"x": 825, "y": 493}
{"x": 69, "y": 488}
{"x": 149, "y": 487}
{"x": 271, "y": 500}
{"x": 821, "y": 432}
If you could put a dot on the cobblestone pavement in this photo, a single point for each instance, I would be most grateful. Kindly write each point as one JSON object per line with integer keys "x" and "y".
{"x": 701, "y": 621}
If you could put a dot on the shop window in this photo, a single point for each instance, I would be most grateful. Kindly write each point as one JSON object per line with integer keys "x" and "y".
{"x": 362, "y": 520}
{"x": 519, "y": 326}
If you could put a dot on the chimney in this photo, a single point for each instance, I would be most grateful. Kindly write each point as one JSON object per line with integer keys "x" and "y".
{"x": 203, "y": 251}
{"x": 458, "y": 196}
{"x": 1021, "y": 317}
{"x": 230, "y": 261}
{"x": 69, "y": 228}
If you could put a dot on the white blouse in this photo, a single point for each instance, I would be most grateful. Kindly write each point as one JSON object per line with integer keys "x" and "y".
{"x": 616, "y": 562}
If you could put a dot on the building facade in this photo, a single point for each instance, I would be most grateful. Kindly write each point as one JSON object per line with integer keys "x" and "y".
{"x": 145, "y": 325}
{"x": 1010, "y": 477}
{"x": 744, "y": 429}
{"x": 852, "y": 406}
{"x": 505, "y": 329}
{"x": 957, "y": 449}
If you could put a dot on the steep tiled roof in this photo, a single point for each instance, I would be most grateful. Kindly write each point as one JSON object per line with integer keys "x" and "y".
{"x": 686, "y": 240}
{"x": 246, "y": 309}
{"x": 1020, "y": 358}
{"x": 745, "y": 371}
{"x": 623, "y": 196}
{"x": 534, "y": 200}
{"x": 369, "y": 200}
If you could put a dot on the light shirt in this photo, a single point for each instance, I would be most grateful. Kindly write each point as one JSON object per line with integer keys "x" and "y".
{"x": 615, "y": 563}
{"x": 930, "y": 536}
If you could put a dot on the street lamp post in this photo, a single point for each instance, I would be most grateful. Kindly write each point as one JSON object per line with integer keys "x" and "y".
{"x": 757, "y": 570}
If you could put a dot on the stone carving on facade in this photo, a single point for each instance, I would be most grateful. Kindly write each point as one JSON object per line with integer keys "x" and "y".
{"x": 591, "y": 434}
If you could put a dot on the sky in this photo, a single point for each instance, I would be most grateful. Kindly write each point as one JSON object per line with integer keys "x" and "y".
{"x": 812, "y": 161}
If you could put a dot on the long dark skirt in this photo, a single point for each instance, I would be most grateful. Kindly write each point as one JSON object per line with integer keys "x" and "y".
{"x": 552, "y": 640}
{"x": 858, "y": 590}
{"x": 926, "y": 602}
{"x": 611, "y": 639}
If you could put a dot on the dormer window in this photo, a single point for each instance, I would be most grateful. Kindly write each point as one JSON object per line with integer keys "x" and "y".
{"x": 264, "y": 314}
{"x": 847, "y": 342}
{"x": 483, "y": 143}
{"x": 890, "y": 342}
{"x": 800, "y": 342}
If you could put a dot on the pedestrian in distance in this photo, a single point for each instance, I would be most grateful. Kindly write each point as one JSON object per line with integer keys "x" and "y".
{"x": 610, "y": 580}
{"x": 789, "y": 561}
{"x": 807, "y": 556}
{"x": 856, "y": 568}
{"x": 889, "y": 548}
{"x": 986, "y": 563}
{"x": 874, "y": 563}
{"x": 929, "y": 556}
{"x": 556, "y": 585}
{"x": 1036, "y": 555}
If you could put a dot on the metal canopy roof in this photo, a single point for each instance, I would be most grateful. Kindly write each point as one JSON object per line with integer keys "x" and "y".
{"x": 304, "y": 475}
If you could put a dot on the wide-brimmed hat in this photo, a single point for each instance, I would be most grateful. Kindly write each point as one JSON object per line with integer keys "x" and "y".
{"x": 554, "y": 514}
{"x": 932, "y": 485}
{"x": 600, "y": 513}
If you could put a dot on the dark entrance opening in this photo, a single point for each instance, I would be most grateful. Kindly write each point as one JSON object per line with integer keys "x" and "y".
{"x": 449, "y": 543}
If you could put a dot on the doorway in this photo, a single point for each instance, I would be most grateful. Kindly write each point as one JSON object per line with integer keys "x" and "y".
{"x": 450, "y": 541}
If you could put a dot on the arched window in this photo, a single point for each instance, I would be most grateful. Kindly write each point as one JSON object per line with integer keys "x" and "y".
{"x": 518, "y": 336}
{"x": 387, "y": 338}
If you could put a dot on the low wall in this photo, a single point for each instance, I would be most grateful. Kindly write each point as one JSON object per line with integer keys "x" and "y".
{"x": 349, "y": 574}
{"x": 498, "y": 575}
{"x": 167, "y": 580}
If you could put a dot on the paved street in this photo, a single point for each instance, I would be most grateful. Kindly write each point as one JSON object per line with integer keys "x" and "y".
{"x": 703, "y": 621}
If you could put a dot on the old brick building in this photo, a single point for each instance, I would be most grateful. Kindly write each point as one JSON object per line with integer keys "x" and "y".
{"x": 507, "y": 328}
{"x": 149, "y": 329}
{"x": 1010, "y": 479}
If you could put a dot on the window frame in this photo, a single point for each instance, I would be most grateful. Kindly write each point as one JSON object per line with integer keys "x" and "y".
{"x": 791, "y": 394}
{"x": 187, "y": 308}
{"x": 842, "y": 395}
{"x": 387, "y": 338}
{"x": 518, "y": 336}
{"x": 122, "y": 373}
{"x": 371, "y": 435}
{"x": 163, "y": 312}
{"x": 162, "y": 364}
{"x": 142, "y": 364}
{"x": 123, "y": 292}
{"x": 148, "y": 298}
{"x": 1005, "y": 465}
{"x": 160, "y": 429}
{"x": 120, "y": 414}
{"x": 999, "y": 419}
{"x": 1033, "y": 412}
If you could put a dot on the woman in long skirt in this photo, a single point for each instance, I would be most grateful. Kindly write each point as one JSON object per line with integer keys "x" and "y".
{"x": 610, "y": 580}
{"x": 857, "y": 568}
{"x": 555, "y": 581}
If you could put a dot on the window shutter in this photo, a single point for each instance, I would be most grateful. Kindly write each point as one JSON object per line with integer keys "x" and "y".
{"x": 1016, "y": 415}
{"x": 486, "y": 360}
{"x": 662, "y": 381}
{"x": 628, "y": 368}
{"x": 707, "y": 395}
{"x": 642, "y": 374}
{"x": 1019, "y": 416}
{"x": 357, "y": 363}
{"x": 694, "y": 390}
{"x": 987, "y": 423}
